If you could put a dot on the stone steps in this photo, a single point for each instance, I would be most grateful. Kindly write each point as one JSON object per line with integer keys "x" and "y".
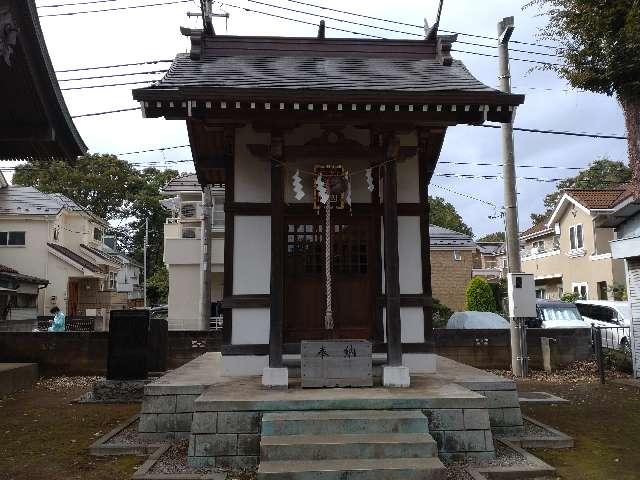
{"x": 339, "y": 447}
{"x": 330, "y": 422}
{"x": 377, "y": 469}
{"x": 348, "y": 445}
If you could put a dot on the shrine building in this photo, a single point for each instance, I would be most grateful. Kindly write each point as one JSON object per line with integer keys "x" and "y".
{"x": 294, "y": 127}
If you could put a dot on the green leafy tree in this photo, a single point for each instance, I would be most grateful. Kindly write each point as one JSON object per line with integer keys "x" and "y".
{"x": 158, "y": 286}
{"x": 599, "y": 44}
{"x": 479, "y": 296}
{"x": 443, "y": 214}
{"x": 441, "y": 314}
{"x": 492, "y": 237}
{"x": 569, "y": 297}
{"x": 116, "y": 191}
{"x": 602, "y": 173}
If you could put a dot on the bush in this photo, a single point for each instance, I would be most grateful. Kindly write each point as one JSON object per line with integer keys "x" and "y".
{"x": 569, "y": 297}
{"x": 499, "y": 289}
{"x": 480, "y": 296}
{"x": 441, "y": 314}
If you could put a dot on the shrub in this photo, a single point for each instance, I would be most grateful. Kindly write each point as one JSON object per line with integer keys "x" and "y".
{"x": 499, "y": 289}
{"x": 569, "y": 297}
{"x": 480, "y": 296}
{"x": 441, "y": 314}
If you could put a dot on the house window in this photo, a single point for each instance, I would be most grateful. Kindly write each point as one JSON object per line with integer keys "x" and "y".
{"x": 112, "y": 281}
{"x": 541, "y": 293}
{"x": 12, "y": 239}
{"x": 97, "y": 234}
{"x": 556, "y": 242}
{"x": 582, "y": 290}
{"x": 602, "y": 291}
{"x": 457, "y": 256}
{"x": 560, "y": 292}
{"x": 218, "y": 212}
{"x": 576, "y": 240}
{"x": 539, "y": 246}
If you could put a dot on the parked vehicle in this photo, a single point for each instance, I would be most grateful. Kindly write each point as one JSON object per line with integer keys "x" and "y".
{"x": 161, "y": 312}
{"x": 614, "y": 318}
{"x": 557, "y": 314}
{"x": 479, "y": 320}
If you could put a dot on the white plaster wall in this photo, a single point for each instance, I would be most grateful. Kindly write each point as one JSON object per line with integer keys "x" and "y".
{"x": 410, "y": 255}
{"x": 58, "y": 274}
{"x": 252, "y": 176}
{"x": 252, "y": 255}
{"x": 411, "y": 323}
{"x": 409, "y": 181}
{"x": 250, "y": 326}
{"x": 184, "y": 297}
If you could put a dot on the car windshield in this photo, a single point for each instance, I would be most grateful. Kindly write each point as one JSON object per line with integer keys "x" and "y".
{"x": 561, "y": 313}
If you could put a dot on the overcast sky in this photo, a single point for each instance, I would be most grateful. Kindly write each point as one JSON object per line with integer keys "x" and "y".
{"x": 153, "y": 33}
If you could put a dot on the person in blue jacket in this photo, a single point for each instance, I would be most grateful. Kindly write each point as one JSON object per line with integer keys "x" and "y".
{"x": 58, "y": 320}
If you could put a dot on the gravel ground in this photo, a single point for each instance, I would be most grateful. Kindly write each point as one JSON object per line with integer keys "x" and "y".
{"x": 174, "y": 460}
{"x": 130, "y": 436}
{"x": 63, "y": 384}
{"x": 533, "y": 430}
{"x": 576, "y": 373}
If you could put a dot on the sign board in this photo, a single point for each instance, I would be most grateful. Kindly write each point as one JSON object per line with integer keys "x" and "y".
{"x": 336, "y": 363}
{"x": 128, "y": 341}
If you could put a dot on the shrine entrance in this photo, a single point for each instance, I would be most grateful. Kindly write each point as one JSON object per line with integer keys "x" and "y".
{"x": 354, "y": 256}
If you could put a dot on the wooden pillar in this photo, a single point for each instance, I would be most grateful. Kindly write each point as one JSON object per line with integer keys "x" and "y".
{"x": 277, "y": 251}
{"x": 429, "y": 146}
{"x": 391, "y": 257}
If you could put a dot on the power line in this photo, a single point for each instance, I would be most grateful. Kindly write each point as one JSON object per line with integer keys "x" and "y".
{"x": 130, "y": 7}
{"x": 148, "y": 62}
{"x": 105, "y": 113}
{"x": 75, "y": 3}
{"x": 421, "y": 35}
{"x": 148, "y": 72}
{"x": 560, "y": 132}
{"x": 412, "y": 25}
{"x": 108, "y": 85}
{"x": 463, "y": 194}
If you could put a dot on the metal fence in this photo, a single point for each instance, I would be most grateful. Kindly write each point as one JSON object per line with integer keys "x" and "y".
{"x": 610, "y": 340}
{"x": 215, "y": 324}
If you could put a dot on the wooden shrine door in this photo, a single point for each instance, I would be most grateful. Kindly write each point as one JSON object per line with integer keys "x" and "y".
{"x": 353, "y": 259}
{"x": 72, "y": 298}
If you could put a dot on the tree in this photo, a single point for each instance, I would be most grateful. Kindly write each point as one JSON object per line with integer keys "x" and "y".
{"x": 479, "y": 296}
{"x": 492, "y": 237}
{"x": 602, "y": 173}
{"x": 443, "y": 214}
{"x": 113, "y": 189}
{"x": 599, "y": 43}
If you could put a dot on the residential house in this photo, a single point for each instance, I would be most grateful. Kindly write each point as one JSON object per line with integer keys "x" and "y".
{"x": 47, "y": 235}
{"x": 624, "y": 216}
{"x": 452, "y": 258}
{"x": 569, "y": 252}
{"x": 18, "y": 295}
{"x": 182, "y": 249}
{"x": 490, "y": 260}
{"x": 128, "y": 277}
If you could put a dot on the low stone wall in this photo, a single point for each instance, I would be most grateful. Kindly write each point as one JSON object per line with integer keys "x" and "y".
{"x": 490, "y": 349}
{"x": 166, "y": 416}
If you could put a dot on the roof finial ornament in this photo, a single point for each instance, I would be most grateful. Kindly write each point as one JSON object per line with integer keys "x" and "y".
{"x": 321, "y": 29}
{"x": 432, "y": 33}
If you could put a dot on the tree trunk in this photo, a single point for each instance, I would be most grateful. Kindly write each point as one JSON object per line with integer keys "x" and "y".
{"x": 631, "y": 108}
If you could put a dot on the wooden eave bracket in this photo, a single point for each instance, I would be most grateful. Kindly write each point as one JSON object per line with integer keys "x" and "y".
{"x": 197, "y": 41}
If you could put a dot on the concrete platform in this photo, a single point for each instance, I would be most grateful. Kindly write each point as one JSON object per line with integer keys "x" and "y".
{"x": 17, "y": 376}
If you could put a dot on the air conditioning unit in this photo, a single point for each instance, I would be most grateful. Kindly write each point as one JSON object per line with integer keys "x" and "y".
{"x": 190, "y": 232}
{"x": 191, "y": 210}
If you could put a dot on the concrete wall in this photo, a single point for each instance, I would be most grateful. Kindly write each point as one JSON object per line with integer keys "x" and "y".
{"x": 449, "y": 277}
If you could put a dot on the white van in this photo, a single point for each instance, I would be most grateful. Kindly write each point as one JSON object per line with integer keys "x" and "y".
{"x": 612, "y": 315}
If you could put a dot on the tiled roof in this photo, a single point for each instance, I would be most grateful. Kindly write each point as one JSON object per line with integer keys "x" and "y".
{"x": 12, "y": 273}
{"x": 536, "y": 229}
{"x": 29, "y": 201}
{"x": 601, "y": 198}
{"x": 103, "y": 255}
{"x": 491, "y": 248}
{"x": 5, "y": 269}
{"x": 76, "y": 258}
{"x": 443, "y": 237}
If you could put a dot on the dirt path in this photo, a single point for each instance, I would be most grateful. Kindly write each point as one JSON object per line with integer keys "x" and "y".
{"x": 605, "y": 423}
{"x": 43, "y": 436}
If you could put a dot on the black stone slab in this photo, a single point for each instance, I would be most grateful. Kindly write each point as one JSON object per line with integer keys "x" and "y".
{"x": 158, "y": 345}
{"x": 128, "y": 345}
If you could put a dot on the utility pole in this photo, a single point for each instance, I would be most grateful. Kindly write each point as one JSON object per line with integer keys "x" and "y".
{"x": 144, "y": 250}
{"x": 512, "y": 235}
{"x": 205, "y": 264}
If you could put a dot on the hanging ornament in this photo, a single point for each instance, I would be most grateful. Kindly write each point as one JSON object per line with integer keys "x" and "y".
{"x": 322, "y": 190}
{"x": 297, "y": 186}
{"x": 347, "y": 195}
{"x": 368, "y": 175}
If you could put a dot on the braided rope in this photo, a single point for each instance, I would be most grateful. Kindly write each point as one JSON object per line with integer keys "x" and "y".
{"x": 328, "y": 318}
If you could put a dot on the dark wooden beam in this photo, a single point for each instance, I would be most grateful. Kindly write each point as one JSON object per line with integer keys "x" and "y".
{"x": 277, "y": 250}
{"x": 391, "y": 257}
{"x": 229, "y": 234}
{"x": 24, "y": 133}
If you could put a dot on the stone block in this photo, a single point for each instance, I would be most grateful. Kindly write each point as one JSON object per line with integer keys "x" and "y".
{"x": 148, "y": 423}
{"x": 184, "y": 403}
{"x": 159, "y": 404}
{"x": 464, "y": 441}
{"x": 496, "y": 417}
{"x": 167, "y": 422}
{"x": 502, "y": 398}
{"x": 395, "y": 377}
{"x": 238, "y": 422}
{"x": 183, "y": 422}
{"x": 476, "y": 419}
{"x": 445, "y": 419}
{"x": 213, "y": 445}
{"x": 511, "y": 416}
{"x": 237, "y": 462}
{"x": 248, "y": 444}
{"x": 439, "y": 438}
{"x": 192, "y": 446}
{"x": 488, "y": 440}
{"x": 201, "y": 462}
{"x": 204, "y": 422}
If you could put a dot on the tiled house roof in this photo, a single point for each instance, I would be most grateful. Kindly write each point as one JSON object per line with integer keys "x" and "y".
{"x": 600, "y": 199}
{"x": 75, "y": 257}
{"x": 538, "y": 229}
